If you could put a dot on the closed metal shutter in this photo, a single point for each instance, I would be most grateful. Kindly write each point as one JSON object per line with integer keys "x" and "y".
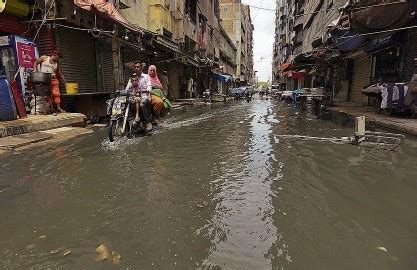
{"x": 46, "y": 41}
{"x": 105, "y": 74}
{"x": 361, "y": 77}
{"x": 410, "y": 54}
{"x": 78, "y": 58}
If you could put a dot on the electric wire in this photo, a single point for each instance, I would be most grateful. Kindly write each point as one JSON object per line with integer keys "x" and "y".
{"x": 329, "y": 9}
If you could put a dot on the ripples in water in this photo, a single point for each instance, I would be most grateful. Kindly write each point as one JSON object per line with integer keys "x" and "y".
{"x": 215, "y": 188}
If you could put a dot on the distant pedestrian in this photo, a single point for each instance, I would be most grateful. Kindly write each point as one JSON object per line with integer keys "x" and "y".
{"x": 50, "y": 64}
{"x": 165, "y": 84}
{"x": 190, "y": 87}
{"x": 144, "y": 68}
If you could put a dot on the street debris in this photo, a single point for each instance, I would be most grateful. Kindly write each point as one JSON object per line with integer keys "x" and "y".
{"x": 103, "y": 254}
{"x": 382, "y": 248}
{"x": 203, "y": 204}
{"x": 55, "y": 251}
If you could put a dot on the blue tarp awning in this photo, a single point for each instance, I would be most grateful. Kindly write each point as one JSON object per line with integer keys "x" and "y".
{"x": 346, "y": 40}
{"x": 222, "y": 77}
{"x": 383, "y": 43}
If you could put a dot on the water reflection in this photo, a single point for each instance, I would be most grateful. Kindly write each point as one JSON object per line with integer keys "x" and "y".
{"x": 242, "y": 229}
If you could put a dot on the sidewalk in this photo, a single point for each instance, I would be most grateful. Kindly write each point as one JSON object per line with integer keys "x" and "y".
{"x": 403, "y": 125}
{"x": 34, "y": 123}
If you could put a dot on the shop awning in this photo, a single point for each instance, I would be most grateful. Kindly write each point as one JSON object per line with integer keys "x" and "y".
{"x": 391, "y": 15}
{"x": 167, "y": 43}
{"x": 382, "y": 43}
{"x": 346, "y": 40}
{"x": 105, "y": 9}
{"x": 298, "y": 74}
{"x": 222, "y": 77}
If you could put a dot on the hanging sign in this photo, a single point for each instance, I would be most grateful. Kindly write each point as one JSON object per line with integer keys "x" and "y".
{"x": 26, "y": 52}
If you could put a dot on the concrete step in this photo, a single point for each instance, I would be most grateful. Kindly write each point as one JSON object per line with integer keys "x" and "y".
{"x": 54, "y": 135}
{"x": 12, "y": 142}
{"x": 34, "y": 123}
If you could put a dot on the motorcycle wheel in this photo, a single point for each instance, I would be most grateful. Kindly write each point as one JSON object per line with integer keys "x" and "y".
{"x": 115, "y": 129}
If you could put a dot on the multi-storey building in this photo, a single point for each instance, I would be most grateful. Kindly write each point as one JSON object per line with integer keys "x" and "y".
{"x": 101, "y": 39}
{"x": 236, "y": 21}
{"x": 343, "y": 46}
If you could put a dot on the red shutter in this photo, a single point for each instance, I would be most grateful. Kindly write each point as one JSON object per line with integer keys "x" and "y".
{"x": 11, "y": 25}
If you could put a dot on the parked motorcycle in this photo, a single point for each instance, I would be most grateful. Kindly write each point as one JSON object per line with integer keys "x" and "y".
{"x": 122, "y": 117}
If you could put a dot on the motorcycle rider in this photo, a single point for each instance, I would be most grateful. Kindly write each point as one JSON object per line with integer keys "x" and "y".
{"x": 141, "y": 87}
{"x": 137, "y": 67}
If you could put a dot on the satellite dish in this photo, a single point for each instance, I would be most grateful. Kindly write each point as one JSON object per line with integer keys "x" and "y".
{"x": 2, "y": 5}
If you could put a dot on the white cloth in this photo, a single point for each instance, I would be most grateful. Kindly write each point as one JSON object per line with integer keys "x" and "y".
{"x": 384, "y": 94}
{"x": 395, "y": 93}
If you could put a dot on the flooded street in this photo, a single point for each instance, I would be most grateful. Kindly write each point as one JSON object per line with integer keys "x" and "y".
{"x": 215, "y": 188}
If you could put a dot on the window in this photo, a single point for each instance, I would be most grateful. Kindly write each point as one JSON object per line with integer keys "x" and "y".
{"x": 191, "y": 10}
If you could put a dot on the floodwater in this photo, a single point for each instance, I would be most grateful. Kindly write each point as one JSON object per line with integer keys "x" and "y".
{"x": 215, "y": 188}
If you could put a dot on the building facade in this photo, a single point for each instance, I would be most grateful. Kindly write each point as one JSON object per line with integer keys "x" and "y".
{"x": 343, "y": 46}
{"x": 101, "y": 39}
{"x": 236, "y": 21}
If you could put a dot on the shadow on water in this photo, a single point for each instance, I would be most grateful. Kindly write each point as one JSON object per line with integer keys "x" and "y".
{"x": 213, "y": 188}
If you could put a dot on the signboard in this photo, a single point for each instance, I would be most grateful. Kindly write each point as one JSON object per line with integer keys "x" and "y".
{"x": 26, "y": 52}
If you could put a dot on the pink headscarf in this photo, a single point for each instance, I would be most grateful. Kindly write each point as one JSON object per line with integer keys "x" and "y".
{"x": 154, "y": 80}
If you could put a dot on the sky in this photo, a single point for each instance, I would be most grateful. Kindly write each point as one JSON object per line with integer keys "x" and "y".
{"x": 264, "y": 23}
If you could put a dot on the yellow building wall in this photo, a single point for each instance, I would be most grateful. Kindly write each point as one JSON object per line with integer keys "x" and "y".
{"x": 137, "y": 13}
{"x": 156, "y": 15}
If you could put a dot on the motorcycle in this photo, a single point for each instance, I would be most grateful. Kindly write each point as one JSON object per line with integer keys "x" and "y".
{"x": 122, "y": 118}
{"x": 248, "y": 96}
{"x": 207, "y": 96}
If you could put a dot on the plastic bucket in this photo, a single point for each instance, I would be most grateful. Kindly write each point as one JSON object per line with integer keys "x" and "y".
{"x": 71, "y": 88}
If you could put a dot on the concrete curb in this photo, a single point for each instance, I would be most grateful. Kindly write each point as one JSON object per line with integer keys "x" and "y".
{"x": 403, "y": 125}
{"x": 36, "y": 123}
